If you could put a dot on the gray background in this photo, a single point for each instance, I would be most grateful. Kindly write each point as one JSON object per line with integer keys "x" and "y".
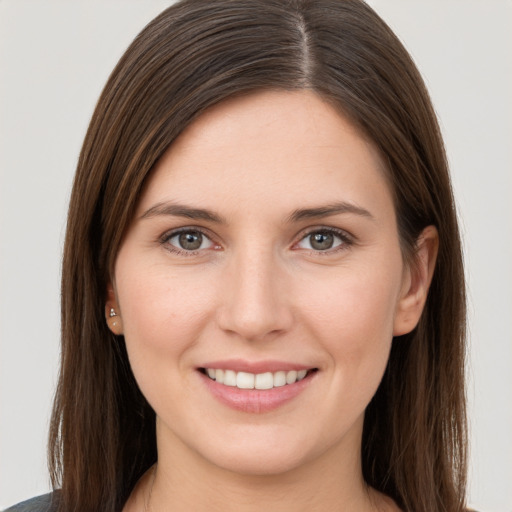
{"x": 54, "y": 59}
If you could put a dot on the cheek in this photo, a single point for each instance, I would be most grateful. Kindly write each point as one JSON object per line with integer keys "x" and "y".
{"x": 163, "y": 314}
{"x": 163, "y": 317}
{"x": 353, "y": 317}
{"x": 359, "y": 302}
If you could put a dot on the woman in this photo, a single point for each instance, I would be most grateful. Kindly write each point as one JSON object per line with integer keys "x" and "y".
{"x": 263, "y": 297}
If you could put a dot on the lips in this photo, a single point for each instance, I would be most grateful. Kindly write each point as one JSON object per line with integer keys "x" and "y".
{"x": 256, "y": 387}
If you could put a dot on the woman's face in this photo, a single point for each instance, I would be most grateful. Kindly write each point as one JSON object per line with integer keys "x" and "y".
{"x": 264, "y": 247}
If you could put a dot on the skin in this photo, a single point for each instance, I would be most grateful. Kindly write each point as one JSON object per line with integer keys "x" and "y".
{"x": 258, "y": 289}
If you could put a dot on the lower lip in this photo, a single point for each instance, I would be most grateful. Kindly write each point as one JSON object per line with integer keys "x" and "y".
{"x": 256, "y": 400}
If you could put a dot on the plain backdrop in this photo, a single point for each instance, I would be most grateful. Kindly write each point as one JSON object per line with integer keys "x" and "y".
{"x": 55, "y": 57}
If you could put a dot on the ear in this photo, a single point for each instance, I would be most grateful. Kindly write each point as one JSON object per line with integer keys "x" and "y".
{"x": 112, "y": 311}
{"x": 416, "y": 282}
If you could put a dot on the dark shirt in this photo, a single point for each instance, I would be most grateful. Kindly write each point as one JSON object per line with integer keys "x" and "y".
{"x": 45, "y": 503}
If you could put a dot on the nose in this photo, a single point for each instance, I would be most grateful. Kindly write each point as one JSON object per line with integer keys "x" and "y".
{"x": 255, "y": 304}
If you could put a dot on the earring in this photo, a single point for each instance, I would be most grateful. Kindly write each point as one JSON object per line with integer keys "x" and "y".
{"x": 114, "y": 321}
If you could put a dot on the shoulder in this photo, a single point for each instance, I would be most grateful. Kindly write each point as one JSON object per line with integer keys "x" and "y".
{"x": 45, "y": 503}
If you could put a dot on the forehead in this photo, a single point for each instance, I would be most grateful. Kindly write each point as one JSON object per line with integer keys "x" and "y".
{"x": 273, "y": 146}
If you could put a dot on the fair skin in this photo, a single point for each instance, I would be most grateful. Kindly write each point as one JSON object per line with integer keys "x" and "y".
{"x": 264, "y": 243}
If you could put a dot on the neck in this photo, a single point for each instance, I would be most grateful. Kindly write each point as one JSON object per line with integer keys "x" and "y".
{"x": 185, "y": 481}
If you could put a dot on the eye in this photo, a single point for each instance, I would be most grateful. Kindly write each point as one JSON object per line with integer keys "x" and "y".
{"x": 323, "y": 240}
{"x": 190, "y": 240}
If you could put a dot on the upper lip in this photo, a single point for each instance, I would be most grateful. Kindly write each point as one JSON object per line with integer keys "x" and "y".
{"x": 241, "y": 365}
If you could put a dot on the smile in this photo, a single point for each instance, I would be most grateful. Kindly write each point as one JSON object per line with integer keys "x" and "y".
{"x": 246, "y": 380}
{"x": 256, "y": 386}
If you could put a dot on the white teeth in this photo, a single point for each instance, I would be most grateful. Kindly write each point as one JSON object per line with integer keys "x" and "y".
{"x": 291, "y": 377}
{"x": 279, "y": 379}
{"x": 229, "y": 378}
{"x": 245, "y": 380}
{"x": 264, "y": 381}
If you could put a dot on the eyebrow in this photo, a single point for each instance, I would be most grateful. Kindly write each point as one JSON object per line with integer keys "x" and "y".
{"x": 328, "y": 210}
{"x": 181, "y": 210}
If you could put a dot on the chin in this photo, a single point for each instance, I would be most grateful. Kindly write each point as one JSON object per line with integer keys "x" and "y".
{"x": 260, "y": 464}
{"x": 268, "y": 456}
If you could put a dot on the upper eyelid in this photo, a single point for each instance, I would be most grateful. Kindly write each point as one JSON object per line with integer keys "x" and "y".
{"x": 176, "y": 231}
{"x": 342, "y": 233}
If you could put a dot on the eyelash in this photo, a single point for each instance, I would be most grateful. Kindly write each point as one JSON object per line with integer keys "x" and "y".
{"x": 346, "y": 240}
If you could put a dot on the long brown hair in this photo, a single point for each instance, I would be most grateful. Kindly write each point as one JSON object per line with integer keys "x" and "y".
{"x": 192, "y": 56}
